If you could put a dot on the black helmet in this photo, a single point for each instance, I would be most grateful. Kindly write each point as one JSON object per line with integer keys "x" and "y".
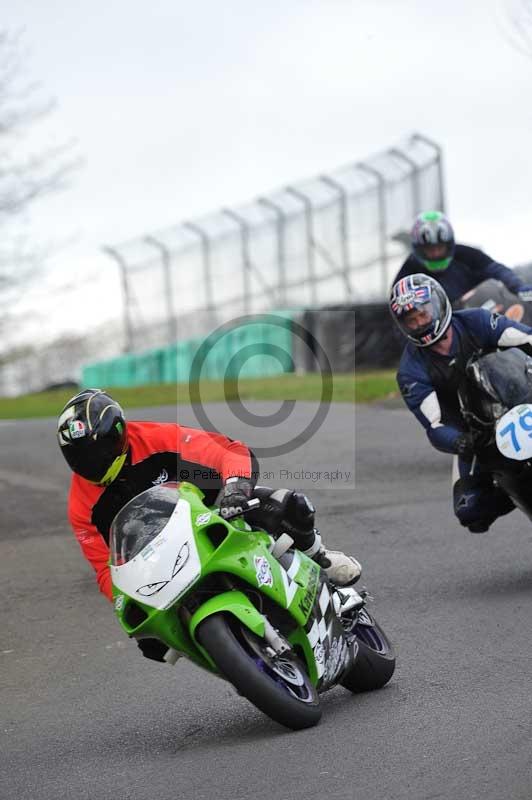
{"x": 433, "y": 240}
{"x": 422, "y": 294}
{"x": 92, "y": 434}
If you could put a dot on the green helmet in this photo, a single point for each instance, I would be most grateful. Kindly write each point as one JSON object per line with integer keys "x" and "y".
{"x": 433, "y": 240}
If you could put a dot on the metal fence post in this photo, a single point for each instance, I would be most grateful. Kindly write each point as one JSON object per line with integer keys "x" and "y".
{"x": 248, "y": 266}
{"x": 206, "y": 257}
{"x": 418, "y": 137}
{"x": 246, "y": 262}
{"x": 281, "y": 254}
{"x": 344, "y": 231}
{"x": 383, "y": 221}
{"x": 309, "y": 225}
{"x": 414, "y": 170}
{"x": 128, "y": 325}
{"x": 165, "y": 260}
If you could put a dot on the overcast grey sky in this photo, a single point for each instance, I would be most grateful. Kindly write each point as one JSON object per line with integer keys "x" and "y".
{"x": 181, "y": 107}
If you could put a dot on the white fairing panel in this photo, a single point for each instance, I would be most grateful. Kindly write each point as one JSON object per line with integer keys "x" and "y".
{"x": 166, "y": 567}
{"x": 514, "y": 433}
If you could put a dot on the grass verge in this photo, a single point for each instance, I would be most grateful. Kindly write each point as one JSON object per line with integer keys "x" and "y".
{"x": 363, "y": 387}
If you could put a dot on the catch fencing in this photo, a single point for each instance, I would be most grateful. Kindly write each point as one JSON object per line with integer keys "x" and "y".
{"x": 336, "y": 238}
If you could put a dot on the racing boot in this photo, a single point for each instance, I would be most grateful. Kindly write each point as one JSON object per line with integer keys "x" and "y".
{"x": 342, "y": 570}
{"x": 286, "y": 511}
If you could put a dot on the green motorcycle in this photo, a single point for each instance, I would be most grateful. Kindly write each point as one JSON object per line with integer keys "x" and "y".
{"x": 241, "y": 604}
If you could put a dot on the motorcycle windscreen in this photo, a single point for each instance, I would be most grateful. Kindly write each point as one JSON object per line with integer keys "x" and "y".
{"x": 140, "y": 521}
{"x": 506, "y": 378}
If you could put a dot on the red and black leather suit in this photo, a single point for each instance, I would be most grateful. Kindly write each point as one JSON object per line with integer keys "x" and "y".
{"x": 158, "y": 452}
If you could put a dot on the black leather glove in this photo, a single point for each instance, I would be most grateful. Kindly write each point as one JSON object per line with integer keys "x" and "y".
{"x": 152, "y": 648}
{"x": 465, "y": 446}
{"x": 471, "y": 444}
{"x": 233, "y": 498}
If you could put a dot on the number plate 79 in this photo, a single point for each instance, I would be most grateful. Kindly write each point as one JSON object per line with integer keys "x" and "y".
{"x": 513, "y": 433}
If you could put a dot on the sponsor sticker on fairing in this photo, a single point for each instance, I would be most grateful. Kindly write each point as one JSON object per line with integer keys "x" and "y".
{"x": 263, "y": 571}
{"x": 336, "y": 660}
{"x": 77, "y": 429}
{"x": 202, "y": 519}
{"x": 119, "y": 602}
{"x": 162, "y": 478}
{"x": 319, "y": 653}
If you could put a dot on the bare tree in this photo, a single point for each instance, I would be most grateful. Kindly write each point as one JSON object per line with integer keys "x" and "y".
{"x": 25, "y": 175}
{"x": 516, "y": 24}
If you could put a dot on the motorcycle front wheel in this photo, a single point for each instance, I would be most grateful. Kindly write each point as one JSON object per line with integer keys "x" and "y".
{"x": 278, "y": 686}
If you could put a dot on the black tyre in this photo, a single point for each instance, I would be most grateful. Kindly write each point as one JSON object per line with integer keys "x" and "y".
{"x": 375, "y": 661}
{"x": 279, "y": 686}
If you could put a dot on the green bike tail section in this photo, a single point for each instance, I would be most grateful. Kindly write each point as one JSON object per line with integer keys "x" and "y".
{"x": 232, "y": 549}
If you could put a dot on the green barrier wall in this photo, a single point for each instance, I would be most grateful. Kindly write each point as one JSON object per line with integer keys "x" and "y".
{"x": 256, "y": 349}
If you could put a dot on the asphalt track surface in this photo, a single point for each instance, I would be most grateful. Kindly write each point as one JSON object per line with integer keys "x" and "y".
{"x": 83, "y": 715}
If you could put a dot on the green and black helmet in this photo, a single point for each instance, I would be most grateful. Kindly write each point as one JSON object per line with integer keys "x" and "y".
{"x": 432, "y": 239}
{"x": 92, "y": 434}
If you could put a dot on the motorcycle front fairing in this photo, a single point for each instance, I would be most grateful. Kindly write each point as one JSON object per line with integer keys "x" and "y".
{"x": 499, "y": 390}
{"x": 512, "y": 469}
{"x": 166, "y": 546}
{"x": 496, "y": 382}
{"x": 154, "y": 557}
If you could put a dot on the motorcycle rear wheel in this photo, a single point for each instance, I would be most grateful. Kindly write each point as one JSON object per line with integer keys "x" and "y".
{"x": 375, "y": 661}
{"x": 278, "y": 687}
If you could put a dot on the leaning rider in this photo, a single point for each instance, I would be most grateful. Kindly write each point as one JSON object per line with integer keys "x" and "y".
{"x": 439, "y": 345}
{"x": 113, "y": 461}
{"x": 457, "y": 267}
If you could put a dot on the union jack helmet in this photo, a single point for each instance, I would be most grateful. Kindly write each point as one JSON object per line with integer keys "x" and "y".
{"x": 421, "y": 293}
